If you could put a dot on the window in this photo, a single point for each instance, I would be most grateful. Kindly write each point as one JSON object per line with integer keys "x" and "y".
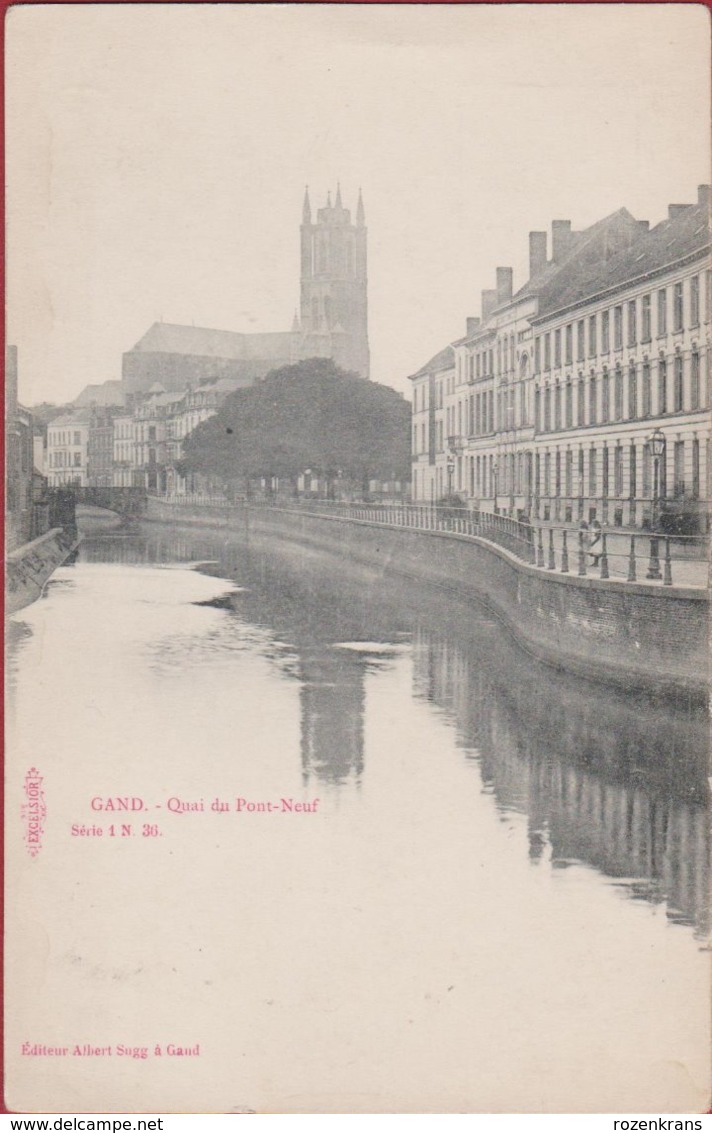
{"x": 695, "y": 469}
{"x": 662, "y": 311}
{"x": 618, "y": 394}
{"x": 557, "y": 347}
{"x": 77, "y": 438}
{"x": 695, "y": 379}
{"x": 558, "y": 472}
{"x": 592, "y": 484}
{"x": 679, "y": 468}
{"x": 569, "y": 473}
{"x": 633, "y": 471}
{"x": 618, "y": 471}
{"x": 77, "y": 460}
{"x": 605, "y": 331}
{"x": 678, "y": 385}
{"x": 537, "y": 354}
{"x": 605, "y": 406}
{"x": 632, "y": 391}
{"x": 569, "y": 405}
{"x": 617, "y": 328}
{"x": 677, "y": 308}
{"x": 547, "y": 474}
{"x": 581, "y": 402}
{"x": 580, "y": 472}
{"x": 604, "y": 471}
{"x": 647, "y": 462}
{"x": 647, "y": 393}
{"x": 557, "y": 406}
{"x": 695, "y": 301}
{"x": 592, "y": 414}
{"x": 708, "y": 296}
{"x": 632, "y": 322}
{"x": 537, "y": 410}
{"x": 592, "y": 344}
{"x": 547, "y": 409}
{"x": 580, "y": 340}
{"x": 569, "y": 344}
{"x": 662, "y": 386}
{"x": 547, "y": 351}
{"x": 646, "y": 319}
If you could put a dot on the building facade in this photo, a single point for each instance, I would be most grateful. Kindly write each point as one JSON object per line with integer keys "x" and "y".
{"x": 68, "y": 450}
{"x": 556, "y": 390}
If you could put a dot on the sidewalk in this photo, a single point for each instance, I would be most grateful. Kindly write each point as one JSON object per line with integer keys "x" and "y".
{"x": 686, "y": 572}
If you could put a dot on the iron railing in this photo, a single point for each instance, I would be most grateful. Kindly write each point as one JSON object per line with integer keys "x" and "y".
{"x": 620, "y": 554}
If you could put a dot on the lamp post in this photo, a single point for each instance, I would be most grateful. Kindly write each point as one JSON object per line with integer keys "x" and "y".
{"x": 450, "y": 471}
{"x": 658, "y": 445}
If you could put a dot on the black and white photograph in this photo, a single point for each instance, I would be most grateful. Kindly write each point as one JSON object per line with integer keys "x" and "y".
{"x": 357, "y": 453}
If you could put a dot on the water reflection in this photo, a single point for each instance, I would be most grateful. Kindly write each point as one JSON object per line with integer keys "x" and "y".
{"x": 612, "y": 780}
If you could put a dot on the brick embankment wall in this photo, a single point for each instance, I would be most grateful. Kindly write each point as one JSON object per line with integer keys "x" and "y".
{"x": 630, "y": 634}
{"x": 28, "y": 567}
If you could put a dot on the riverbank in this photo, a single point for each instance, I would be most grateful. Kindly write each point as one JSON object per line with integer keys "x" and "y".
{"x": 28, "y": 567}
{"x": 630, "y": 634}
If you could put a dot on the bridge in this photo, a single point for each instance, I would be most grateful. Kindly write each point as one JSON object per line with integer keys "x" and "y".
{"x": 130, "y": 503}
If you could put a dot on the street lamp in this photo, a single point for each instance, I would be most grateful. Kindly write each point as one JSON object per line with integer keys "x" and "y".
{"x": 450, "y": 471}
{"x": 657, "y": 445}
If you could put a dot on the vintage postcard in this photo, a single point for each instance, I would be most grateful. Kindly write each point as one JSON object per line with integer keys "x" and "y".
{"x": 357, "y": 529}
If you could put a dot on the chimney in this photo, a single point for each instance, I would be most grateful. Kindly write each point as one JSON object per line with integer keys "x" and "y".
{"x": 560, "y": 239}
{"x": 703, "y": 195}
{"x": 472, "y": 326}
{"x": 675, "y": 210}
{"x": 644, "y": 226}
{"x": 504, "y": 285}
{"x": 489, "y": 302}
{"x": 10, "y": 383}
{"x": 537, "y": 253}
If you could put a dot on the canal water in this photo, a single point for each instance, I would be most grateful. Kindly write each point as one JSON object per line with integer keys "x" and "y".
{"x": 482, "y": 884}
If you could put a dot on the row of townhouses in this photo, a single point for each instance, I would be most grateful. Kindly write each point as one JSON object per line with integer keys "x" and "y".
{"x": 585, "y": 393}
{"x": 137, "y": 446}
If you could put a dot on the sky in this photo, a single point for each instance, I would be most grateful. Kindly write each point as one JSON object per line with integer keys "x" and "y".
{"x": 157, "y": 157}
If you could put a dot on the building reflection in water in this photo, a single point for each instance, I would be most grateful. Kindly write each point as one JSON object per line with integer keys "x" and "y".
{"x": 609, "y": 779}
{"x": 614, "y": 780}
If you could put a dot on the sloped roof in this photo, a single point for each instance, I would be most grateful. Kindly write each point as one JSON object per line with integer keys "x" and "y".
{"x": 443, "y": 360}
{"x": 609, "y": 260}
{"x": 174, "y": 338}
{"x": 685, "y": 234}
{"x": 588, "y": 251}
{"x": 79, "y": 417}
{"x": 104, "y": 394}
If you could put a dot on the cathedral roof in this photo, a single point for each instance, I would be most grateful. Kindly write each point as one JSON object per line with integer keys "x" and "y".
{"x": 174, "y": 338}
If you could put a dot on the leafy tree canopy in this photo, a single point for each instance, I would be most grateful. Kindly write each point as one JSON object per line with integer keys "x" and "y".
{"x": 311, "y": 415}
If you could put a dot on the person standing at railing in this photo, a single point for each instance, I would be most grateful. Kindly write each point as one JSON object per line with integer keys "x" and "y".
{"x": 584, "y": 536}
{"x": 595, "y": 548}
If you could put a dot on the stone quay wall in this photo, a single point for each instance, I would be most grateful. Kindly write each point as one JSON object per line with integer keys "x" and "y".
{"x": 28, "y": 567}
{"x": 628, "y": 633}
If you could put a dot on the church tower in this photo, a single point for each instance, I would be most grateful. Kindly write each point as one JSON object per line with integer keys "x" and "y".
{"x": 333, "y": 303}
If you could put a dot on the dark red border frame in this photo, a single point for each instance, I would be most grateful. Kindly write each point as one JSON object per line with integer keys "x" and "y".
{"x": 5, "y": 6}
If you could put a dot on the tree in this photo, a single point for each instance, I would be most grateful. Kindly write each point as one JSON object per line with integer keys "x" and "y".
{"x": 311, "y": 415}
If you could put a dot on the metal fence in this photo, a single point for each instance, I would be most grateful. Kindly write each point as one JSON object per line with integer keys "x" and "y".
{"x": 623, "y": 555}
